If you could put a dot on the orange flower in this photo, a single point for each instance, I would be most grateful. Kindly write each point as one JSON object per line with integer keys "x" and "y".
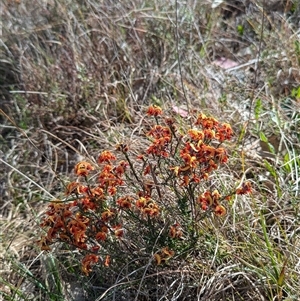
{"x": 147, "y": 206}
{"x": 121, "y": 168}
{"x": 77, "y": 227}
{"x": 140, "y": 157}
{"x": 107, "y": 215}
{"x": 83, "y": 168}
{"x": 196, "y": 134}
{"x": 109, "y": 180}
{"x": 158, "y": 150}
{"x": 228, "y": 198}
{"x": 87, "y": 261}
{"x": 157, "y": 258}
{"x": 72, "y": 188}
{"x": 106, "y": 156}
{"x": 244, "y": 189}
{"x": 209, "y": 123}
{"x": 107, "y": 261}
{"x": 221, "y": 155}
{"x": 153, "y": 209}
{"x": 205, "y": 198}
{"x": 189, "y": 159}
{"x": 159, "y": 131}
{"x": 141, "y": 202}
{"x": 216, "y": 195}
{"x": 206, "y": 122}
{"x": 208, "y": 151}
{"x": 97, "y": 192}
{"x": 119, "y": 232}
{"x": 101, "y": 236}
{"x": 200, "y": 118}
{"x": 175, "y": 231}
{"x": 147, "y": 170}
{"x": 220, "y": 210}
{"x": 112, "y": 190}
{"x": 224, "y": 132}
{"x": 154, "y": 111}
{"x": 81, "y": 189}
{"x": 95, "y": 249}
{"x": 163, "y": 255}
{"x": 124, "y": 202}
{"x": 87, "y": 204}
{"x": 167, "y": 253}
{"x": 209, "y": 134}
{"x": 122, "y": 147}
{"x": 212, "y": 164}
{"x": 44, "y": 243}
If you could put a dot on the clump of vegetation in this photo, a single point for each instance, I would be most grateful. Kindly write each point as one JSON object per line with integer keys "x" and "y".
{"x": 166, "y": 196}
{"x": 75, "y": 80}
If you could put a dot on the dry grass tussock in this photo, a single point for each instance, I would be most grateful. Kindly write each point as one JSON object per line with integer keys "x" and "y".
{"x": 76, "y": 78}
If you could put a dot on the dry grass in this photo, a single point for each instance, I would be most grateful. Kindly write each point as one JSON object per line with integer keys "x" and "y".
{"x": 75, "y": 78}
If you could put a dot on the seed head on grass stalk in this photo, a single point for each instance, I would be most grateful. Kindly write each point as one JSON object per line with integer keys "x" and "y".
{"x": 164, "y": 192}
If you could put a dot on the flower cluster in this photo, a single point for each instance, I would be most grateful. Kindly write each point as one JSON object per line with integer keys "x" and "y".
{"x": 161, "y": 139}
{"x": 166, "y": 182}
{"x": 163, "y": 255}
{"x": 211, "y": 200}
{"x": 88, "y": 220}
{"x": 147, "y": 206}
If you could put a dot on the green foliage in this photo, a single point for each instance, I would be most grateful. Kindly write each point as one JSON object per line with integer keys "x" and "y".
{"x": 297, "y": 50}
{"x": 240, "y": 30}
{"x": 257, "y": 108}
{"x": 296, "y": 92}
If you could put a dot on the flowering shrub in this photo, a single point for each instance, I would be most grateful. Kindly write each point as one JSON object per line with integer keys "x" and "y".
{"x": 164, "y": 192}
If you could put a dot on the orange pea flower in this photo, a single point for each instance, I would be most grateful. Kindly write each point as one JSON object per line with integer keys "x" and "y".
{"x": 159, "y": 131}
{"x": 167, "y": 253}
{"x": 220, "y": 210}
{"x": 154, "y": 111}
{"x": 107, "y": 261}
{"x": 87, "y": 204}
{"x": 221, "y": 155}
{"x": 119, "y": 231}
{"x": 205, "y": 200}
{"x": 157, "y": 258}
{"x": 106, "y": 156}
{"x": 121, "y": 168}
{"x": 72, "y": 188}
{"x": 107, "y": 215}
{"x": 196, "y": 134}
{"x": 175, "y": 231}
{"x": 122, "y": 147}
{"x": 124, "y": 202}
{"x": 141, "y": 202}
{"x": 97, "y": 192}
{"x": 225, "y": 132}
{"x": 112, "y": 190}
{"x": 101, "y": 236}
{"x": 244, "y": 189}
{"x": 87, "y": 261}
{"x": 83, "y": 168}
{"x": 163, "y": 255}
{"x": 44, "y": 243}
{"x": 209, "y": 134}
